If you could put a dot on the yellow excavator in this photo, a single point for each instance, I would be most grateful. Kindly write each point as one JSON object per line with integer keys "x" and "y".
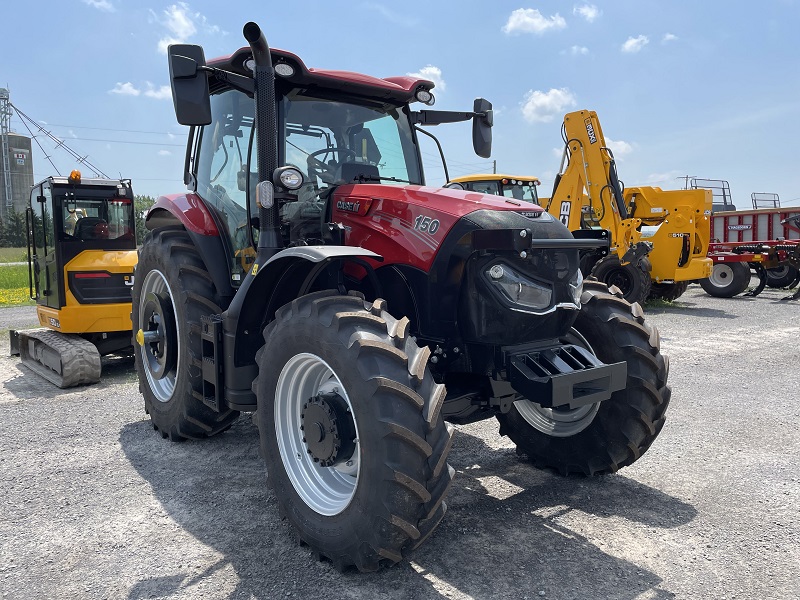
{"x": 658, "y": 239}
{"x": 81, "y": 258}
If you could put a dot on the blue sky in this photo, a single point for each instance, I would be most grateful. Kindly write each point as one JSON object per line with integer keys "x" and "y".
{"x": 699, "y": 88}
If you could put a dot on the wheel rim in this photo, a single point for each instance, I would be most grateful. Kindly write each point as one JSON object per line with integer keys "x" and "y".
{"x": 559, "y": 422}
{"x": 721, "y": 275}
{"x": 620, "y": 278}
{"x": 326, "y": 490}
{"x": 160, "y": 330}
{"x": 778, "y": 272}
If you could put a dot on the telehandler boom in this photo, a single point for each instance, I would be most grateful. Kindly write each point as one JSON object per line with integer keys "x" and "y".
{"x": 659, "y": 238}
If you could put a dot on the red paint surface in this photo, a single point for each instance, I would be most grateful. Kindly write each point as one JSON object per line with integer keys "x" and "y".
{"x": 388, "y": 226}
{"x": 190, "y": 210}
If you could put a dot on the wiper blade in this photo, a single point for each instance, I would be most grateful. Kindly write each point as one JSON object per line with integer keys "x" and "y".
{"x": 361, "y": 178}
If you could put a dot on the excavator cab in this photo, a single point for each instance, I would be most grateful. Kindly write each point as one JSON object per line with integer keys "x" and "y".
{"x": 81, "y": 258}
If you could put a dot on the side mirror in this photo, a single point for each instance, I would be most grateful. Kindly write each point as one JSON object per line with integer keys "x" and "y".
{"x": 190, "y": 93}
{"x": 454, "y": 185}
{"x": 482, "y": 128}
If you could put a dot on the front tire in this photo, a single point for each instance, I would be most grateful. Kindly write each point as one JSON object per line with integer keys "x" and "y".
{"x": 668, "y": 291}
{"x": 605, "y": 436}
{"x": 632, "y": 280}
{"x": 351, "y": 429}
{"x": 727, "y": 279}
{"x": 172, "y": 290}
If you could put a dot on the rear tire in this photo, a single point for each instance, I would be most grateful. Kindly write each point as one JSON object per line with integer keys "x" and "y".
{"x": 781, "y": 277}
{"x": 609, "y": 435}
{"x": 632, "y": 280}
{"x": 337, "y": 364}
{"x": 172, "y": 290}
{"x": 727, "y": 279}
{"x": 668, "y": 291}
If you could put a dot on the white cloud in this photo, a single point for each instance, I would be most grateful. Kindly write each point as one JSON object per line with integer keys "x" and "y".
{"x": 181, "y": 24}
{"x": 161, "y": 93}
{"x": 619, "y": 148}
{"x": 634, "y": 44}
{"x": 125, "y": 89}
{"x": 667, "y": 178}
{"x": 541, "y": 107}
{"x": 103, "y": 5}
{"x": 399, "y": 18}
{"x": 588, "y": 11}
{"x": 668, "y": 37}
{"x": 433, "y": 74}
{"x": 530, "y": 20}
{"x": 164, "y": 153}
{"x": 578, "y": 50}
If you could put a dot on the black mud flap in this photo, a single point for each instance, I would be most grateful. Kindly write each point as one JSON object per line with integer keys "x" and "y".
{"x": 564, "y": 376}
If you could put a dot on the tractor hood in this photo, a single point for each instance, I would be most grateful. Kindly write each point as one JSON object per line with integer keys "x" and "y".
{"x": 444, "y": 201}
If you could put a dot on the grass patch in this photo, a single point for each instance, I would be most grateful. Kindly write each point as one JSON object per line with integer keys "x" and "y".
{"x": 14, "y": 287}
{"x": 13, "y": 255}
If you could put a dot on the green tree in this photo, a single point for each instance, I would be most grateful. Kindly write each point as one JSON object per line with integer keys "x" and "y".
{"x": 14, "y": 230}
{"x": 141, "y": 204}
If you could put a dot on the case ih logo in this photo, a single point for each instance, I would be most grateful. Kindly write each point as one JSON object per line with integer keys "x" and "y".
{"x": 590, "y": 131}
{"x": 348, "y": 206}
{"x": 739, "y": 227}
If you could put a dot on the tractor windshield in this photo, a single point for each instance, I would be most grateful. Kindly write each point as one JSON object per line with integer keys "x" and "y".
{"x": 335, "y": 142}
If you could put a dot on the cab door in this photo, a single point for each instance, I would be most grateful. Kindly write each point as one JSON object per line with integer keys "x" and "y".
{"x": 42, "y": 246}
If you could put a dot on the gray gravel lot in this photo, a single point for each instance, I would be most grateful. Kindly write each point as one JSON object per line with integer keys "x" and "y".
{"x": 96, "y": 505}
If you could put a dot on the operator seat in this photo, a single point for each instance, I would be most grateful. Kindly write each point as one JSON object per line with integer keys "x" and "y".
{"x": 85, "y": 228}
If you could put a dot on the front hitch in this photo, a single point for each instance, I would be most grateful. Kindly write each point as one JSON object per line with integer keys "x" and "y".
{"x": 564, "y": 376}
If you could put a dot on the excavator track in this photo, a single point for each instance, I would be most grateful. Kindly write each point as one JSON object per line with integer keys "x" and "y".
{"x": 64, "y": 359}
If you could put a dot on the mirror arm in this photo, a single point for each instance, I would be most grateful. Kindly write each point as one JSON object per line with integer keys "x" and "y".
{"x": 239, "y": 82}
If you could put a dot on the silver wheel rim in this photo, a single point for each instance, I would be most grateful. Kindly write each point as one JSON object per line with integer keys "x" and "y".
{"x": 721, "y": 275}
{"x": 164, "y": 387}
{"x": 778, "y": 272}
{"x": 326, "y": 490}
{"x": 559, "y": 422}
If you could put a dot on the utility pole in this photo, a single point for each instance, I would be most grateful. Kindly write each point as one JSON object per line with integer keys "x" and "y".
{"x": 494, "y": 167}
{"x": 686, "y": 179}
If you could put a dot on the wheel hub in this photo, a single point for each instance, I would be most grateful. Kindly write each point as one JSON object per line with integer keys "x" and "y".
{"x": 159, "y": 335}
{"x": 328, "y": 429}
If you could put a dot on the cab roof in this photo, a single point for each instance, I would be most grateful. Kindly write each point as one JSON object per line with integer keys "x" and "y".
{"x": 399, "y": 90}
{"x": 493, "y": 177}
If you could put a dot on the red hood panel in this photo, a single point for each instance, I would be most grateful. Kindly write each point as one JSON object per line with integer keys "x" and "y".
{"x": 407, "y": 224}
{"x": 456, "y": 203}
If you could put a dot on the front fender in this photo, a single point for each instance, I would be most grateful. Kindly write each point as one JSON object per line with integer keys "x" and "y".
{"x": 282, "y": 278}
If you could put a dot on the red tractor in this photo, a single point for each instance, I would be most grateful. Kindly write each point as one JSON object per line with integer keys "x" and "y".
{"x": 309, "y": 275}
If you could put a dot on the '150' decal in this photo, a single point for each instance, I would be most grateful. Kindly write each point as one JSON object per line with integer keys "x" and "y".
{"x": 426, "y": 224}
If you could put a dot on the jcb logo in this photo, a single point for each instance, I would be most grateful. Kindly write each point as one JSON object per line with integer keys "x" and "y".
{"x": 590, "y": 131}
{"x": 563, "y": 215}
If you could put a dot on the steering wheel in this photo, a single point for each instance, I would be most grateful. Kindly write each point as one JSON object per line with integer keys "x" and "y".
{"x": 319, "y": 168}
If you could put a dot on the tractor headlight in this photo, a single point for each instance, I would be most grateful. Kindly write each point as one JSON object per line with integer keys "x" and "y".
{"x": 288, "y": 177}
{"x": 517, "y": 289}
{"x": 576, "y": 287}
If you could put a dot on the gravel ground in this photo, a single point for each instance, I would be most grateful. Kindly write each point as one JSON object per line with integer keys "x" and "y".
{"x": 96, "y": 505}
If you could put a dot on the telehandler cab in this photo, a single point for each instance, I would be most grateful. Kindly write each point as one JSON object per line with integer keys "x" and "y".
{"x": 376, "y": 311}
{"x": 81, "y": 257}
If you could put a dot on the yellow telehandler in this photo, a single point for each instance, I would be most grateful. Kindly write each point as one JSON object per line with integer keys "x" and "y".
{"x": 658, "y": 239}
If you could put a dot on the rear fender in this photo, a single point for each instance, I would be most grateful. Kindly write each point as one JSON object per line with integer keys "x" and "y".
{"x": 191, "y": 213}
